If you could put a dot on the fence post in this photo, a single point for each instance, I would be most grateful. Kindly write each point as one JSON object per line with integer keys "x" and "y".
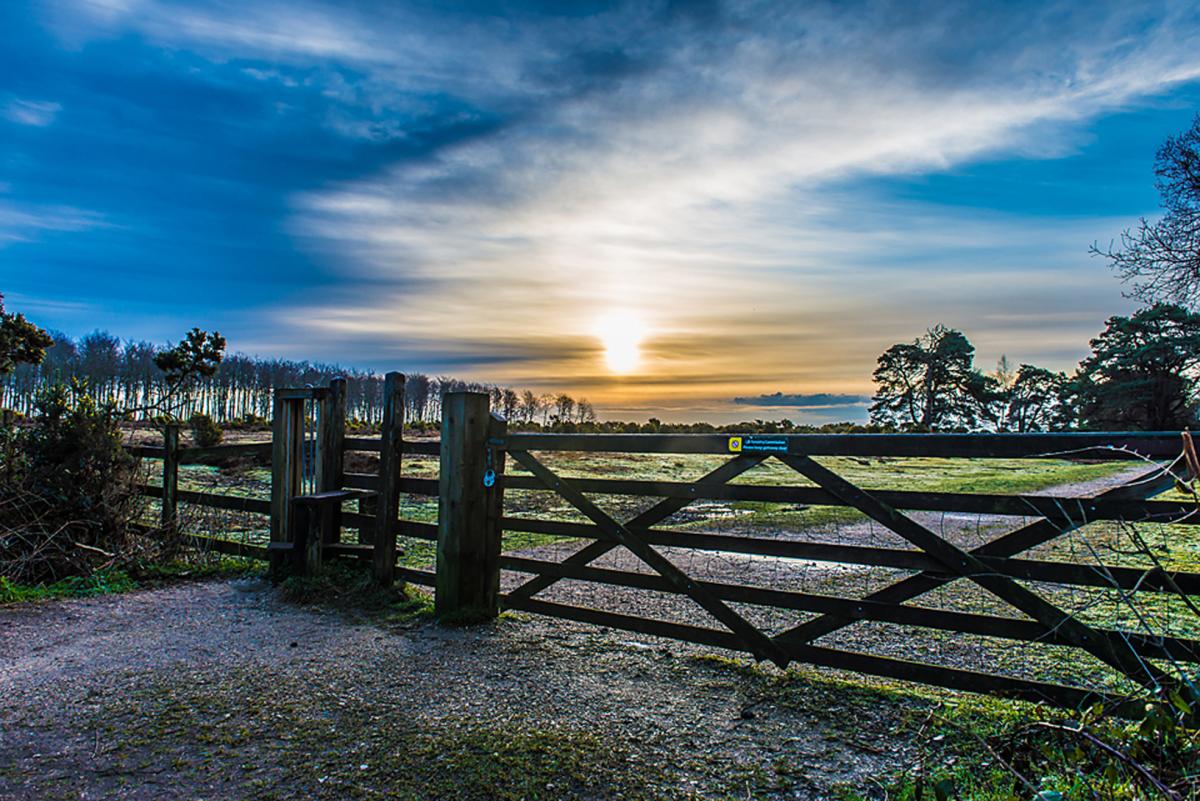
{"x": 387, "y": 506}
{"x": 468, "y": 550}
{"x": 331, "y": 436}
{"x": 287, "y": 436}
{"x": 170, "y": 478}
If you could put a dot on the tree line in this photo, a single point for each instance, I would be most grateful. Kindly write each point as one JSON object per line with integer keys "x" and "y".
{"x": 1141, "y": 374}
{"x": 241, "y": 389}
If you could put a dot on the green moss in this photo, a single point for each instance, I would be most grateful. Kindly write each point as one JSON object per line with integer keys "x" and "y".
{"x": 196, "y": 567}
{"x": 101, "y": 582}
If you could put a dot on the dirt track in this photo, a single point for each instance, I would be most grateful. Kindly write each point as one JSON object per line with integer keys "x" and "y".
{"x": 117, "y": 697}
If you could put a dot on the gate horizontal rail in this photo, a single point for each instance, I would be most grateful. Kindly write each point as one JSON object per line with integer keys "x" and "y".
{"x": 1049, "y": 506}
{"x": 1074, "y": 445}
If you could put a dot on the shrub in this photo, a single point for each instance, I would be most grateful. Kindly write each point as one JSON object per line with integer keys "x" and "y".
{"x": 205, "y": 432}
{"x": 67, "y": 489}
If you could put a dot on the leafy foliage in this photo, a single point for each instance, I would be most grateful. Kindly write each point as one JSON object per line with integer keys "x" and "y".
{"x": 1142, "y": 372}
{"x": 968, "y": 753}
{"x": 205, "y": 432}
{"x": 1162, "y": 259}
{"x": 67, "y": 489}
{"x": 21, "y": 342}
{"x": 1033, "y": 402}
{"x": 101, "y": 582}
{"x": 931, "y": 384}
{"x": 197, "y": 356}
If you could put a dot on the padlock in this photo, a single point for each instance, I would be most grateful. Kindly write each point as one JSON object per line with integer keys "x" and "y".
{"x": 489, "y": 477}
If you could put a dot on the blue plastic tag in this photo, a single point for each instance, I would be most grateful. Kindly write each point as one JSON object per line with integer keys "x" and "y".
{"x": 489, "y": 477}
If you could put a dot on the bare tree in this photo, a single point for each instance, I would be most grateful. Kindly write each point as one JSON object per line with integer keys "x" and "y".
{"x": 1162, "y": 259}
{"x": 565, "y": 406}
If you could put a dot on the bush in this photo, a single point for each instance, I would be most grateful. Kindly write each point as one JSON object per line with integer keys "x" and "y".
{"x": 67, "y": 489}
{"x": 205, "y": 432}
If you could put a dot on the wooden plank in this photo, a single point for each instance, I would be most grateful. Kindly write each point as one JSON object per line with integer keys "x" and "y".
{"x": 761, "y": 646}
{"x": 420, "y": 447}
{"x": 305, "y": 538}
{"x": 426, "y": 578}
{"x": 286, "y": 465}
{"x": 390, "y": 455}
{"x": 1118, "y": 654}
{"x": 1145, "y": 485}
{"x": 145, "y": 451}
{"x": 1052, "y": 507}
{"x": 655, "y": 514}
{"x": 301, "y": 393}
{"x": 402, "y": 528}
{"x": 493, "y": 502}
{"x": 953, "y": 678}
{"x": 227, "y": 546}
{"x": 354, "y": 550}
{"x": 924, "y": 617}
{"x": 1034, "y": 570}
{"x": 360, "y": 480}
{"x": 330, "y": 456}
{"x": 468, "y": 549}
{"x": 331, "y": 431}
{"x": 1115, "y": 446}
{"x": 244, "y": 450}
{"x": 233, "y": 503}
{"x": 408, "y": 486}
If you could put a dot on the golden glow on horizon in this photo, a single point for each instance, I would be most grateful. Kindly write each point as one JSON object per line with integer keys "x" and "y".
{"x": 621, "y": 333}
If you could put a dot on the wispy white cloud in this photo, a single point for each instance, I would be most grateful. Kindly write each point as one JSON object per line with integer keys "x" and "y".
{"x": 38, "y": 113}
{"x": 26, "y": 223}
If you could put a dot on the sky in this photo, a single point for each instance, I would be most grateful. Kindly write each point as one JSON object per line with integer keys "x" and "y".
{"x": 688, "y": 210}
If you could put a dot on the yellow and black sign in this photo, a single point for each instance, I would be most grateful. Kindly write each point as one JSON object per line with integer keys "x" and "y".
{"x": 735, "y": 444}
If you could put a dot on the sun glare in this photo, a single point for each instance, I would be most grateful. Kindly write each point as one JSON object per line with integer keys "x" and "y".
{"x": 621, "y": 333}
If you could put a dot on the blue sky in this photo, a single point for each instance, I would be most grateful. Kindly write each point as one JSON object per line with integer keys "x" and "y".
{"x": 742, "y": 198}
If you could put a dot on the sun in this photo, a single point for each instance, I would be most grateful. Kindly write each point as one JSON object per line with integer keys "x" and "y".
{"x": 621, "y": 333}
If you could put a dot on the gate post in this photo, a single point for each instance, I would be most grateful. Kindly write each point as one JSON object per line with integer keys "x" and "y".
{"x": 387, "y": 505}
{"x": 331, "y": 436}
{"x": 468, "y": 548}
{"x": 287, "y": 436}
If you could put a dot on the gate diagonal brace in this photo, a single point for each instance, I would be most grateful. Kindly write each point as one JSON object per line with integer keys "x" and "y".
{"x": 1117, "y": 653}
{"x": 652, "y": 516}
{"x": 757, "y": 643}
{"x": 1146, "y": 485}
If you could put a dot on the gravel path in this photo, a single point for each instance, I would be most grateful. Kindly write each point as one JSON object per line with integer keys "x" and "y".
{"x": 81, "y": 678}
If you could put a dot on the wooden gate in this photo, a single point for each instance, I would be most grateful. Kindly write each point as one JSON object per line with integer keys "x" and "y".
{"x": 934, "y": 560}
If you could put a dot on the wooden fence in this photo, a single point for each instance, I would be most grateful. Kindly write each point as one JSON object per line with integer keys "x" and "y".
{"x": 306, "y": 527}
